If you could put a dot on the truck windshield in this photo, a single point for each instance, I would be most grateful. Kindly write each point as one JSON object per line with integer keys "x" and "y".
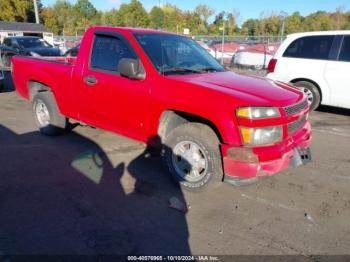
{"x": 174, "y": 55}
{"x": 32, "y": 42}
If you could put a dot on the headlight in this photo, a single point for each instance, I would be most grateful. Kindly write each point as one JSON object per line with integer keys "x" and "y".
{"x": 257, "y": 112}
{"x": 34, "y": 54}
{"x": 261, "y": 136}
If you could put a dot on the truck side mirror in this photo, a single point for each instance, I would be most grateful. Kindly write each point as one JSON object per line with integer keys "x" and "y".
{"x": 131, "y": 68}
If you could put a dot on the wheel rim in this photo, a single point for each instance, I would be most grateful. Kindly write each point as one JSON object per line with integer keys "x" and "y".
{"x": 189, "y": 161}
{"x": 42, "y": 113}
{"x": 309, "y": 94}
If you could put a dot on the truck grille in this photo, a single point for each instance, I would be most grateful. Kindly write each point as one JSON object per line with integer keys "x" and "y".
{"x": 296, "y": 125}
{"x": 294, "y": 109}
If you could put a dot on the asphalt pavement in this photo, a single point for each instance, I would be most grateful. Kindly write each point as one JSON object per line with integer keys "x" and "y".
{"x": 94, "y": 192}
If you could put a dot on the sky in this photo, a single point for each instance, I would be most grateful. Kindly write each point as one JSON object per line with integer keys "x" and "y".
{"x": 247, "y": 8}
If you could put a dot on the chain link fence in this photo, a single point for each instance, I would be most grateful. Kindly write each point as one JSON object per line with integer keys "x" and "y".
{"x": 242, "y": 53}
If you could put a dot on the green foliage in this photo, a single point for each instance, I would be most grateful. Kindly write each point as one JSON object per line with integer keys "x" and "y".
{"x": 133, "y": 14}
{"x": 50, "y": 20}
{"x": 18, "y": 10}
{"x": 85, "y": 9}
{"x": 157, "y": 18}
{"x": 250, "y": 27}
{"x": 111, "y": 18}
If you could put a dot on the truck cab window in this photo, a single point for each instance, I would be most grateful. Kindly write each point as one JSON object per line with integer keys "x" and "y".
{"x": 108, "y": 51}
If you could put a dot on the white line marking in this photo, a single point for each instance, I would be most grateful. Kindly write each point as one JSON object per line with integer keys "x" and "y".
{"x": 342, "y": 177}
{"x": 330, "y": 132}
{"x": 268, "y": 202}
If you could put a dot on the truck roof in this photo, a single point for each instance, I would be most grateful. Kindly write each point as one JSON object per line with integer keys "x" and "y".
{"x": 131, "y": 30}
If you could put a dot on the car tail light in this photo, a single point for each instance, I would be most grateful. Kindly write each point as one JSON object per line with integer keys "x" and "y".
{"x": 272, "y": 65}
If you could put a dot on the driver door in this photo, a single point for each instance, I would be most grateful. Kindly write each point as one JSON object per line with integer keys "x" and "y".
{"x": 108, "y": 100}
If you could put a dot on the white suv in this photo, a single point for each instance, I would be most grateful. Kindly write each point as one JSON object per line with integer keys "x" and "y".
{"x": 318, "y": 63}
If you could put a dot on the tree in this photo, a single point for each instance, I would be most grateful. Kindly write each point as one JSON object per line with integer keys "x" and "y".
{"x": 231, "y": 25}
{"x": 50, "y": 20}
{"x": 133, "y": 14}
{"x": 66, "y": 17}
{"x": 18, "y": 10}
{"x": 7, "y": 11}
{"x": 111, "y": 18}
{"x": 318, "y": 21}
{"x": 250, "y": 26}
{"x": 204, "y": 12}
{"x": 294, "y": 23}
{"x": 217, "y": 24}
{"x": 157, "y": 18}
{"x": 85, "y": 9}
{"x": 173, "y": 18}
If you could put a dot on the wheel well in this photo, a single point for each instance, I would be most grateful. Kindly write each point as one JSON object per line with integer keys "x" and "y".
{"x": 310, "y": 81}
{"x": 171, "y": 119}
{"x": 35, "y": 87}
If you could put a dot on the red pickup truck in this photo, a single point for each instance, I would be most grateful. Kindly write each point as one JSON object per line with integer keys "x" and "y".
{"x": 166, "y": 90}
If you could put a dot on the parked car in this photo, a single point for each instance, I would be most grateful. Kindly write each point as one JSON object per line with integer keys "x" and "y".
{"x": 254, "y": 56}
{"x": 167, "y": 91}
{"x": 318, "y": 63}
{"x": 25, "y": 45}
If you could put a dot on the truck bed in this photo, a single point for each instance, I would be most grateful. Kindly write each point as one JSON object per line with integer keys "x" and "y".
{"x": 54, "y": 72}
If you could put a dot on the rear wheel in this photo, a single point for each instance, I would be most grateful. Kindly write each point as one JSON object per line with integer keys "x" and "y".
{"x": 192, "y": 156}
{"x": 46, "y": 114}
{"x": 312, "y": 93}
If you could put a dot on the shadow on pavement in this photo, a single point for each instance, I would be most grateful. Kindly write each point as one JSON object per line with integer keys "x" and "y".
{"x": 62, "y": 195}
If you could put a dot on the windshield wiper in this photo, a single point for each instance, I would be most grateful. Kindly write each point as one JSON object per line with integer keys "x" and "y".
{"x": 209, "y": 69}
{"x": 181, "y": 70}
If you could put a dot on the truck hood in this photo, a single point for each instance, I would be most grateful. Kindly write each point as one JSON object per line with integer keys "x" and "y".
{"x": 44, "y": 51}
{"x": 249, "y": 90}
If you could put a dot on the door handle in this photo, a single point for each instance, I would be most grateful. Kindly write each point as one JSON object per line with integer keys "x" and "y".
{"x": 90, "y": 80}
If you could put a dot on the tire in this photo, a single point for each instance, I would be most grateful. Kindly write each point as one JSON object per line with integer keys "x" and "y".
{"x": 312, "y": 93}
{"x": 44, "y": 104}
{"x": 6, "y": 61}
{"x": 205, "y": 145}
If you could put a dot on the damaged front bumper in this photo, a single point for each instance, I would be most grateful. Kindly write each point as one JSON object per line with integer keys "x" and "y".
{"x": 248, "y": 164}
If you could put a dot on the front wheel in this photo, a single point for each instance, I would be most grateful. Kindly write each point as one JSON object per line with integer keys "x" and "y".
{"x": 46, "y": 114}
{"x": 191, "y": 154}
{"x": 6, "y": 60}
{"x": 311, "y": 92}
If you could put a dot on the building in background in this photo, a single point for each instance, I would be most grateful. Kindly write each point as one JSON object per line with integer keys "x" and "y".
{"x": 24, "y": 29}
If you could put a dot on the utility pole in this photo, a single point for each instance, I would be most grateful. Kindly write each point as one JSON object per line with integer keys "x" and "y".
{"x": 223, "y": 44}
{"x": 283, "y": 16}
{"x": 36, "y": 12}
{"x": 282, "y": 30}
